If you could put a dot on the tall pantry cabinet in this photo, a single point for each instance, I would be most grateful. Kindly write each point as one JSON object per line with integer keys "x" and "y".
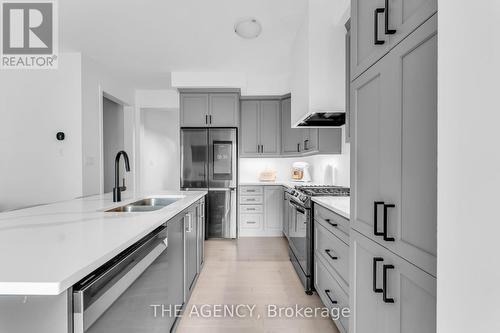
{"x": 393, "y": 98}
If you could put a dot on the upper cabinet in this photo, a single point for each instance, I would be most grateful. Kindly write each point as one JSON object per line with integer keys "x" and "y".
{"x": 260, "y": 133}
{"x": 379, "y": 25}
{"x": 291, "y": 138}
{"x": 318, "y": 61}
{"x": 209, "y": 109}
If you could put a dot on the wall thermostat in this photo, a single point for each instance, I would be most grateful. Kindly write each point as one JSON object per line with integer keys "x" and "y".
{"x": 60, "y": 136}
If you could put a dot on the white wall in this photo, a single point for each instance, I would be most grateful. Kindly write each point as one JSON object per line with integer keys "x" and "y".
{"x": 153, "y": 141}
{"x": 160, "y": 153}
{"x": 468, "y": 288}
{"x": 251, "y": 83}
{"x": 113, "y": 141}
{"x": 35, "y": 168}
{"x": 95, "y": 80}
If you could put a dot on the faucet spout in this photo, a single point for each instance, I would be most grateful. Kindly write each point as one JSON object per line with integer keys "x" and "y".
{"x": 117, "y": 190}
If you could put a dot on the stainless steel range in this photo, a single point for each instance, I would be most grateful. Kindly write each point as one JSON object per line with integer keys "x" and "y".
{"x": 299, "y": 224}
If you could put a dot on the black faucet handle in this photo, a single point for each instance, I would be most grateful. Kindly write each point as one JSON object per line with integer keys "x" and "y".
{"x": 123, "y": 187}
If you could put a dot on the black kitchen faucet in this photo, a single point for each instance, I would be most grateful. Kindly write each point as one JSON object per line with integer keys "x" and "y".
{"x": 117, "y": 190}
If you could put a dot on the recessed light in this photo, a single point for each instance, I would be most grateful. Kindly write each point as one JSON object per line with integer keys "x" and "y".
{"x": 248, "y": 28}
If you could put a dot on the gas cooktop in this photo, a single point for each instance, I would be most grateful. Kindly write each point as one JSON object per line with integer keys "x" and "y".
{"x": 323, "y": 190}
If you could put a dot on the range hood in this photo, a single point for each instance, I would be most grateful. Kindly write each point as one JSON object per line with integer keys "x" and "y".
{"x": 323, "y": 119}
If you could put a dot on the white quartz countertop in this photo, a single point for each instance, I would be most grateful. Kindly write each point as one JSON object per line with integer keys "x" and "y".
{"x": 339, "y": 205}
{"x": 44, "y": 250}
{"x": 289, "y": 184}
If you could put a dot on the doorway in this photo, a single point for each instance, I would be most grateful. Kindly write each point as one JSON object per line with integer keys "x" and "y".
{"x": 113, "y": 139}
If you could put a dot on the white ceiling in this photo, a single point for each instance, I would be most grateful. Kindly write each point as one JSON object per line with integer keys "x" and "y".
{"x": 147, "y": 39}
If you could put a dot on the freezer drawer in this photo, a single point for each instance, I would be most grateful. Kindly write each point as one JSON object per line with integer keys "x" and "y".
{"x": 221, "y": 213}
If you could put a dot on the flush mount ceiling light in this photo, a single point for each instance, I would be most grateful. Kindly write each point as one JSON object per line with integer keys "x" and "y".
{"x": 248, "y": 28}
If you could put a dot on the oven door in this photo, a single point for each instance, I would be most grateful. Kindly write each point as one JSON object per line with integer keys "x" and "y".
{"x": 299, "y": 239}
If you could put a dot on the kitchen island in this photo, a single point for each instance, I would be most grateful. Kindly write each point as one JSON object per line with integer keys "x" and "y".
{"x": 45, "y": 250}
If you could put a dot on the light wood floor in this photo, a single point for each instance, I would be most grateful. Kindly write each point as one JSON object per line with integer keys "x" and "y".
{"x": 251, "y": 271}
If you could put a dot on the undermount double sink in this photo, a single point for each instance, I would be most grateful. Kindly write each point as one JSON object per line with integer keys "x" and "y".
{"x": 146, "y": 205}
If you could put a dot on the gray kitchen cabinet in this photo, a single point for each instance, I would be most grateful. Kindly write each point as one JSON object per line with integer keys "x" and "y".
{"x": 209, "y": 109}
{"x": 261, "y": 211}
{"x": 270, "y": 134}
{"x": 273, "y": 212}
{"x": 194, "y": 110}
{"x": 284, "y": 208}
{"x": 394, "y": 195}
{"x": 249, "y": 138}
{"x": 310, "y": 140}
{"x": 387, "y": 293}
{"x": 175, "y": 264}
{"x": 373, "y": 33}
{"x": 329, "y": 141}
{"x": 191, "y": 250}
{"x": 260, "y": 128}
{"x": 224, "y": 110}
{"x": 200, "y": 213}
{"x": 291, "y": 138}
{"x": 347, "y": 81}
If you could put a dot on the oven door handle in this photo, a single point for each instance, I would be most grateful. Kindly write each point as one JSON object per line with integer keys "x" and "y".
{"x": 297, "y": 207}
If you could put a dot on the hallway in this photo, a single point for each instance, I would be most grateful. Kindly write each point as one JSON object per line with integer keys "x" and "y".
{"x": 250, "y": 271}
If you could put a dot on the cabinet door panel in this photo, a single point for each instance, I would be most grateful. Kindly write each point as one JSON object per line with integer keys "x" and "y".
{"x": 290, "y": 137}
{"x": 406, "y": 15}
{"x": 249, "y": 130}
{"x": 413, "y": 223}
{"x": 376, "y": 155}
{"x": 364, "y": 52}
{"x": 413, "y": 292}
{"x": 194, "y": 110}
{"x": 224, "y": 110}
{"x": 270, "y": 127}
{"x": 273, "y": 215}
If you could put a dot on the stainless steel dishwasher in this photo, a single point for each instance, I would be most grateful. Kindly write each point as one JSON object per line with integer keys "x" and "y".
{"x": 140, "y": 290}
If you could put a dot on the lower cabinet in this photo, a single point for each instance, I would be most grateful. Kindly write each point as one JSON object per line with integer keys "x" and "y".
{"x": 387, "y": 293}
{"x": 190, "y": 250}
{"x": 261, "y": 211}
{"x": 200, "y": 216}
{"x": 331, "y": 293}
{"x": 194, "y": 248}
{"x": 331, "y": 264}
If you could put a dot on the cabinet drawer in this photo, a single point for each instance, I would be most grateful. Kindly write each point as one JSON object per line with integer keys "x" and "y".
{"x": 250, "y": 199}
{"x": 333, "y": 222}
{"x": 251, "y": 221}
{"x": 251, "y": 190}
{"x": 334, "y": 251}
{"x": 330, "y": 291}
{"x": 251, "y": 209}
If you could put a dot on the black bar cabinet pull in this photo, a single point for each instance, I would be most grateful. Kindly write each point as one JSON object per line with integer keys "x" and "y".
{"x": 331, "y": 223}
{"x": 327, "y": 292}
{"x": 387, "y": 30}
{"x": 386, "y": 237}
{"x": 376, "y": 40}
{"x": 328, "y": 252}
{"x": 384, "y": 276}
{"x": 210, "y": 117}
{"x": 375, "y": 218}
{"x": 298, "y": 147}
{"x": 206, "y": 119}
{"x": 375, "y": 261}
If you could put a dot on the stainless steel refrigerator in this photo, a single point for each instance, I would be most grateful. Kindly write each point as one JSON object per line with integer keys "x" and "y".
{"x": 209, "y": 160}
